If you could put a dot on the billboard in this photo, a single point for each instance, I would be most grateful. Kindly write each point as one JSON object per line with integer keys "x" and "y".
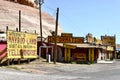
{"x": 108, "y": 40}
{"x": 61, "y": 39}
{"x": 21, "y": 45}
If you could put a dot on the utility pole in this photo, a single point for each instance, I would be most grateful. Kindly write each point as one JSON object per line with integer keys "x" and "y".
{"x": 40, "y": 3}
{"x": 40, "y": 19}
{"x": 56, "y": 30}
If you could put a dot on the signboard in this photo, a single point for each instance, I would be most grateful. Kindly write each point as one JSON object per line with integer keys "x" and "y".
{"x": 66, "y": 39}
{"x": 66, "y": 34}
{"x": 110, "y": 48}
{"x": 108, "y": 40}
{"x": 89, "y": 38}
{"x": 21, "y": 45}
{"x": 79, "y": 56}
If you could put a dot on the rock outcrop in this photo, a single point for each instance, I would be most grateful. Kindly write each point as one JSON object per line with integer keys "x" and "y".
{"x": 9, "y": 16}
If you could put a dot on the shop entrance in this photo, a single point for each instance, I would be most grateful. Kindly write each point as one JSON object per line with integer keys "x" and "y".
{"x": 67, "y": 52}
{"x": 44, "y": 51}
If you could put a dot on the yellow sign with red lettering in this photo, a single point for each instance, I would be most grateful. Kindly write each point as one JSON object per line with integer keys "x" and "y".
{"x": 21, "y": 45}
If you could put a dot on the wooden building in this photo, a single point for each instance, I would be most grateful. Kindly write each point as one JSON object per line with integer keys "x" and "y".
{"x": 75, "y": 49}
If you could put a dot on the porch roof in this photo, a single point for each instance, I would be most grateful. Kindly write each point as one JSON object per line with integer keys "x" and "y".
{"x": 83, "y": 45}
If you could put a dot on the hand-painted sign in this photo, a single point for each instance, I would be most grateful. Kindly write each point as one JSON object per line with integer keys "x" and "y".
{"x": 108, "y": 40}
{"x": 66, "y": 34}
{"x": 21, "y": 45}
{"x": 79, "y": 56}
{"x": 66, "y": 39}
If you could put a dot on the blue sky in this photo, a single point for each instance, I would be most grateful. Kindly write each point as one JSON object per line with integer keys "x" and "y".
{"x": 81, "y": 17}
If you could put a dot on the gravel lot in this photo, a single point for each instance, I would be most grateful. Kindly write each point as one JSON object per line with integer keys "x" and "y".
{"x": 60, "y": 71}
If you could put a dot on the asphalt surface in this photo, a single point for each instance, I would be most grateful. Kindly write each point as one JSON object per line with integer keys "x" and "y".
{"x": 45, "y": 71}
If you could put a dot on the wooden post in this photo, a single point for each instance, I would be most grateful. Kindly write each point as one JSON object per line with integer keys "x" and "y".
{"x": 40, "y": 20}
{"x": 6, "y": 28}
{"x": 12, "y": 61}
{"x": 115, "y": 55}
{"x": 19, "y": 20}
{"x": 8, "y": 62}
{"x": 28, "y": 60}
{"x": 18, "y": 61}
{"x": 56, "y": 30}
{"x": 17, "y": 29}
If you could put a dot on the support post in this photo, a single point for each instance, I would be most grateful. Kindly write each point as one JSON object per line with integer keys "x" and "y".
{"x": 40, "y": 19}
{"x": 8, "y": 62}
{"x": 18, "y": 61}
{"x": 19, "y": 20}
{"x": 6, "y": 28}
{"x": 28, "y": 60}
{"x": 56, "y": 30}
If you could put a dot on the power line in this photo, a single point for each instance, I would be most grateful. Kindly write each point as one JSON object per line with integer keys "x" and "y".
{"x": 63, "y": 17}
{"x": 52, "y": 11}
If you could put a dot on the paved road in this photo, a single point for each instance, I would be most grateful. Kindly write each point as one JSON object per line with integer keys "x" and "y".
{"x": 63, "y": 72}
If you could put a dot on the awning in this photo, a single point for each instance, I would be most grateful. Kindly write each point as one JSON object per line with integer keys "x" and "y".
{"x": 83, "y": 45}
{"x": 69, "y": 46}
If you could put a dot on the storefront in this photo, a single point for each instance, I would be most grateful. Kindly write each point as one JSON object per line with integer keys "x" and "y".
{"x": 65, "y": 41}
{"x": 68, "y": 52}
{"x": 110, "y": 43}
{"x": 74, "y": 49}
{"x": 81, "y": 53}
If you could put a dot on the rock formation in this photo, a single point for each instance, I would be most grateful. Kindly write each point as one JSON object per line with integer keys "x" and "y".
{"x": 9, "y": 16}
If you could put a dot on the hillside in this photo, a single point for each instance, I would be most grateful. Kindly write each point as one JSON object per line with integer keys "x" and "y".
{"x": 9, "y": 16}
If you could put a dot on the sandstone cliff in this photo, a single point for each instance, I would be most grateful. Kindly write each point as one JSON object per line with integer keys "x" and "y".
{"x": 9, "y": 16}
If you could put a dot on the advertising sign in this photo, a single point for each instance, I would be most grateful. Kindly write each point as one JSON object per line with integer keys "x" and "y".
{"x": 89, "y": 38}
{"x": 21, "y": 45}
{"x": 80, "y": 56}
{"x": 66, "y": 34}
{"x": 66, "y": 39}
{"x": 108, "y": 40}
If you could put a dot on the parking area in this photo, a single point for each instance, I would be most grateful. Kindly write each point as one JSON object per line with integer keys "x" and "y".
{"x": 71, "y": 71}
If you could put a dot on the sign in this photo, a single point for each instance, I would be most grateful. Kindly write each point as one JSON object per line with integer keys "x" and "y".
{"x": 108, "y": 40}
{"x": 110, "y": 48}
{"x": 21, "y": 45}
{"x": 89, "y": 38}
{"x": 66, "y": 39}
{"x": 79, "y": 56}
{"x": 66, "y": 34}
